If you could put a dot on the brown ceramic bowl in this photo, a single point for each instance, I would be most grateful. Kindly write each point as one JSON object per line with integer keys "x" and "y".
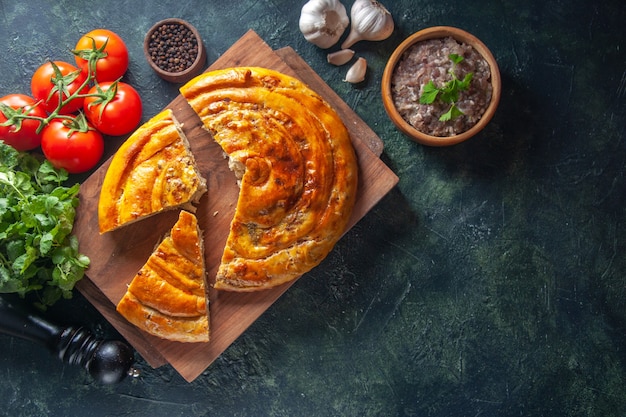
{"x": 180, "y": 76}
{"x": 433, "y": 33}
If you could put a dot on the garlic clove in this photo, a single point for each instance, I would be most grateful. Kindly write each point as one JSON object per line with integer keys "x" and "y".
{"x": 357, "y": 71}
{"x": 371, "y": 21}
{"x": 340, "y": 57}
{"x": 322, "y": 22}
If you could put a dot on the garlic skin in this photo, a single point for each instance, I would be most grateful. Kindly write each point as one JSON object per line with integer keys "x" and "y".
{"x": 357, "y": 71}
{"x": 322, "y": 22}
{"x": 340, "y": 57}
{"x": 371, "y": 21}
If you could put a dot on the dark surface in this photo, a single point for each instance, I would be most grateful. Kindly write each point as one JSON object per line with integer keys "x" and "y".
{"x": 490, "y": 282}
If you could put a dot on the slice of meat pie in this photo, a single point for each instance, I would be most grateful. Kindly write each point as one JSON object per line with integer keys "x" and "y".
{"x": 154, "y": 170}
{"x": 167, "y": 297}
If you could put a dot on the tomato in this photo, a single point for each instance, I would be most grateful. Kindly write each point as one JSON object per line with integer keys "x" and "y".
{"x": 111, "y": 55}
{"x": 119, "y": 114}
{"x": 73, "y": 150}
{"x": 43, "y": 84}
{"x": 26, "y": 138}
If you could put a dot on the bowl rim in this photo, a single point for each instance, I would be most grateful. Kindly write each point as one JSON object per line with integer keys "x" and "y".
{"x": 200, "y": 57}
{"x": 434, "y": 33}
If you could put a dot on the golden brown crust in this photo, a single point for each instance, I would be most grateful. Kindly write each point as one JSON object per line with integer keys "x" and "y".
{"x": 300, "y": 179}
{"x": 152, "y": 171}
{"x": 167, "y": 297}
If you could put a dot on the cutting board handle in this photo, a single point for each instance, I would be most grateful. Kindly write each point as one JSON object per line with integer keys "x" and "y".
{"x": 108, "y": 361}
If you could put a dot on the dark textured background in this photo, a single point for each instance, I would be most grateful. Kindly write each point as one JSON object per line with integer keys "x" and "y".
{"x": 490, "y": 282}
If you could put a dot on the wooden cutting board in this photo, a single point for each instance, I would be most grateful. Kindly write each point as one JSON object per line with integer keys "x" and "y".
{"x": 117, "y": 256}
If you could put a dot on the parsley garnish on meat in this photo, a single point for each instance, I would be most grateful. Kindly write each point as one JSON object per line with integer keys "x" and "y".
{"x": 449, "y": 92}
{"x": 37, "y": 250}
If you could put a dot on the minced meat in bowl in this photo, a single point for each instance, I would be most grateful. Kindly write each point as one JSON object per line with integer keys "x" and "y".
{"x": 429, "y": 61}
{"x": 426, "y": 57}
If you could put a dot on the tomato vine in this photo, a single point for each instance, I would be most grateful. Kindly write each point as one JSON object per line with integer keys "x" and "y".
{"x": 61, "y": 92}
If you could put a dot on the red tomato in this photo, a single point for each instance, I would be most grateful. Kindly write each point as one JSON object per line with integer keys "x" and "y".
{"x": 119, "y": 115}
{"x": 72, "y": 150}
{"x": 26, "y": 138}
{"x": 43, "y": 84}
{"x": 111, "y": 54}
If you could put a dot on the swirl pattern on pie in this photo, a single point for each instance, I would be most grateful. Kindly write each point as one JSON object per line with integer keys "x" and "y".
{"x": 153, "y": 170}
{"x": 167, "y": 297}
{"x": 296, "y": 167}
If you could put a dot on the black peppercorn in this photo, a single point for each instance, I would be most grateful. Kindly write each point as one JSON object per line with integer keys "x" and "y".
{"x": 173, "y": 47}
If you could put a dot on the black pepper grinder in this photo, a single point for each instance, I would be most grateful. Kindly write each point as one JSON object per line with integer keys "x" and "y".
{"x": 108, "y": 361}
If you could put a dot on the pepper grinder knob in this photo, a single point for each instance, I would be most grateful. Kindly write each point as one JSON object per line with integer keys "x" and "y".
{"x": 107, "y": 361}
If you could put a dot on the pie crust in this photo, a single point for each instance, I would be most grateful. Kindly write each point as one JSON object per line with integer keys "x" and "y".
{"x": 296, "y": 167}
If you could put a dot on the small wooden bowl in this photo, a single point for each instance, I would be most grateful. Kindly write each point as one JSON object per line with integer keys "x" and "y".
{"x": 182, "y": 76}
{"x": 434, "y": 33}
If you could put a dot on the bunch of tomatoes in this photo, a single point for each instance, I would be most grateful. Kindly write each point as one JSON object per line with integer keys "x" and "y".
{"x": 71, "y": 106}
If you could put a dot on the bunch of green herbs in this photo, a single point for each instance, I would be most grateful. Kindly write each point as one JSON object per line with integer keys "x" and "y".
{"x": 38, "y": 253}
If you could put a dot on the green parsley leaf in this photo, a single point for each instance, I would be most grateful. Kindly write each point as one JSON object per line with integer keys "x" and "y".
{"x": 429, "y": 93}
{"x": 452, "y": 113}
{"x": 464, "y": 85}
{"x": 455, "y": 58}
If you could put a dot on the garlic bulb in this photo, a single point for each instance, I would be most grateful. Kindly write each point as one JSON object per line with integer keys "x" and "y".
{"x": 357, "y": 71}
{"x": 371, "y": 21}
{"x": 322, "y": 22}
{"x": 340, "y": 57}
